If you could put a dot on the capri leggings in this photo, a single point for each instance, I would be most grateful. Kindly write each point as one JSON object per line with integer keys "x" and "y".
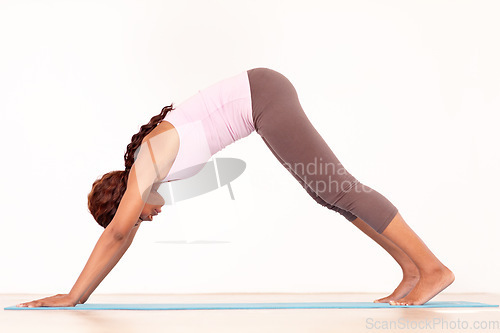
{"x": 281, "y": 122}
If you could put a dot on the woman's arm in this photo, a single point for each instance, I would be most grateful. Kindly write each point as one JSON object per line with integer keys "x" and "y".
{"x": 111, "y": 265}
{"x": 111, "y": 242}
{"x": 108, "y": 246}
{"x": 106, "y": 252}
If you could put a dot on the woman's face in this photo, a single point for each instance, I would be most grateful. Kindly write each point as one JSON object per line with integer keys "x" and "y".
{"x": 152, "y": 207}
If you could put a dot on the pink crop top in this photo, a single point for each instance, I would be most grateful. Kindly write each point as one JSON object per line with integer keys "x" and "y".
{"x": 209, "y": 121}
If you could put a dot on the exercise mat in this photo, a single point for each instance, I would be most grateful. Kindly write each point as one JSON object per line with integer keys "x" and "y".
{"x": 242, "y": 306}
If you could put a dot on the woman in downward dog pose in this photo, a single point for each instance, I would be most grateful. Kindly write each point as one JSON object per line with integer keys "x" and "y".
{"x": 178, "y": 142}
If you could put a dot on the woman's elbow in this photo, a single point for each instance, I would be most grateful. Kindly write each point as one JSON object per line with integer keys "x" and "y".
{"x": 117, "y": 235}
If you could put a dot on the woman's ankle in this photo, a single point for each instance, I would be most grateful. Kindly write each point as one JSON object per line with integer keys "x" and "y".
{"x": 410, "y": 272}
{"x": 434, "y": 268}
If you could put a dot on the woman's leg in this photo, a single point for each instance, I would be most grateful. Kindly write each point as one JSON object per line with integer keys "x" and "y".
{"x": 281, "y": 122}
{"x": 434, "y": 276}
{"x": 410, "y": 271}
{"x": 279, "y": 119}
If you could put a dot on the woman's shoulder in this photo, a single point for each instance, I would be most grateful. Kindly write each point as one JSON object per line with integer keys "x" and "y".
{"x": 164, "y": 125}
{"x": 164, "y": 142}
{"x": 163, "y": 128}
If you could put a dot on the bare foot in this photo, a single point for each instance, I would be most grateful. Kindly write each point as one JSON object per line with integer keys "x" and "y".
{"x": 429, "y": 285}
{"x": 405, "y": 286}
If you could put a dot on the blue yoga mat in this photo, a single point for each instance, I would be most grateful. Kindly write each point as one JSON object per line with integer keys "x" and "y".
{"x": 230, "y": 306}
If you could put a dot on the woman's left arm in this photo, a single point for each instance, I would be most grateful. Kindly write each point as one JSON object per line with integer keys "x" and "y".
{"x": 112, "y": 243}
{"x": 93, "y": 286}
{"x": 111, "y": 265}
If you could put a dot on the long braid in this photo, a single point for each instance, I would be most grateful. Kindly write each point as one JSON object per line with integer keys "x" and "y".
{"x": 139, "y": 136}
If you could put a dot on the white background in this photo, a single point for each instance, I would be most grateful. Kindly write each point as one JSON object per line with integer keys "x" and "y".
{"x": 406, "y": 93}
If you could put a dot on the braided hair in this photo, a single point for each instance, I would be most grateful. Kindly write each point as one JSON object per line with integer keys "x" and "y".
{"x": 107, "y": 191}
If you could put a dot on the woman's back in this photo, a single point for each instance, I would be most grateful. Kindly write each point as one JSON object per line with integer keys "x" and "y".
{"x": 209, "y": 121}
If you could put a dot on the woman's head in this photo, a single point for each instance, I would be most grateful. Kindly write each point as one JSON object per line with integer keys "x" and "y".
{"x": 107, "y": 191}
{"x": 105, "y": 196}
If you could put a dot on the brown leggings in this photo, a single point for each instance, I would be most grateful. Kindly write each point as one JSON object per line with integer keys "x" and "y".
{"x": 280, "y": 121}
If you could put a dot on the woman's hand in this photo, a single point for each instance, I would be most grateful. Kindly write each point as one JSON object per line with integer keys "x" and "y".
{"x": 59, "y": 300}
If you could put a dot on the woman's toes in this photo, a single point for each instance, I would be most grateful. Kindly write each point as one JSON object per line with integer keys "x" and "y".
{"x": 398, "y": 303}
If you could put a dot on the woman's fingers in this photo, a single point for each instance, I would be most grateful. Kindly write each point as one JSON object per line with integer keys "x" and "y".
{"x": 59, "y": 300}
{"x": 32, "y": 304}
{"x": 25, "y": 305}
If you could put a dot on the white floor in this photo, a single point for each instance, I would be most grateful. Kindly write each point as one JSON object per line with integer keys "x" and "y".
{"x": 282, "y": 320}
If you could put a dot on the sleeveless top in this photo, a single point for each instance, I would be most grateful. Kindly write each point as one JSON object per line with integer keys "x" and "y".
{"x": 209, "y": 121}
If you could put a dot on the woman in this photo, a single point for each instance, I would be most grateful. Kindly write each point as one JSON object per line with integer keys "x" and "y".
{"x": 176, "y": 143}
